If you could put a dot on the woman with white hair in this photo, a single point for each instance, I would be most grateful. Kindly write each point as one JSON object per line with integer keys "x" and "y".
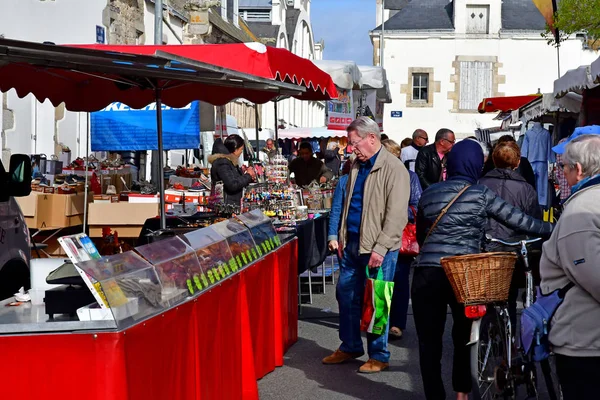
{"x": 571, "y": 258}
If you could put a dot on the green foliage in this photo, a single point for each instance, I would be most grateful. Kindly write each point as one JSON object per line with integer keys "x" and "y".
{"x": 576, "y": 16}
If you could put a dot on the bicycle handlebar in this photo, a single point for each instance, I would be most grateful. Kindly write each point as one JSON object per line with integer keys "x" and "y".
{"x": 512, "y": 244}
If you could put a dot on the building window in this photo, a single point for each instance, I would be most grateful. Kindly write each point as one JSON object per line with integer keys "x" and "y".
{"x": 476, "y": 83}
{"x": 257, "y": 16}
{"x": 420, "y": 88}
{"x": 478, "y": 19}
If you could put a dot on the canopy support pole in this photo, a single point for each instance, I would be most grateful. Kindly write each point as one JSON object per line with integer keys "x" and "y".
{"x": 161, "y": 155}
{"x": 86, "y": 165}
{"x": 256, "y": 128}
{"x": 276, "y": 124}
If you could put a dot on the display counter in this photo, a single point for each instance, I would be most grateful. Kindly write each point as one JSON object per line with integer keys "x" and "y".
{"x": 185, "y": 320}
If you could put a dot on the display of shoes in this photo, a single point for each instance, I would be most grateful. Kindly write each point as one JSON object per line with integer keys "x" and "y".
{"x": 111, "y": 189}
{"x": 178, "y": 186}
{"x": 196, "y": 187}
{"x": 71, "y": 180}
{"x": 44, "y": 182}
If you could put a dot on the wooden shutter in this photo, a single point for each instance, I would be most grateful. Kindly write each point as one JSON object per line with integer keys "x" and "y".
{"x": 478, "y": 19}
{"x": 475, "y": 83}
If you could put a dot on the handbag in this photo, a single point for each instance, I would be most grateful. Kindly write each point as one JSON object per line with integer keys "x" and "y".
{"x": 410, "y": 246}
{"x": 443, "y": 212}
{"x": 535, "y": 322}
{"x": 377, "y": 302}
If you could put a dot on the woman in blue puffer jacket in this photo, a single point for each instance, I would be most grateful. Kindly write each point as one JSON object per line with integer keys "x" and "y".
{"x": 459, "y": 232}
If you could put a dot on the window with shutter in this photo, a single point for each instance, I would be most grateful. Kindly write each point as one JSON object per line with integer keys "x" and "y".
{"x": 476, "y": 80}
{"x": 478, "y": 19}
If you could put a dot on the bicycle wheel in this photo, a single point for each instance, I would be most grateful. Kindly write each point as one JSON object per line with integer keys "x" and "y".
{"x": 491, "y": 376}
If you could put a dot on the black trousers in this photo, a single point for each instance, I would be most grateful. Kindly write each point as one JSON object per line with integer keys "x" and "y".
{"x": 431, "y": 295}
{"x": 579, "y": 377}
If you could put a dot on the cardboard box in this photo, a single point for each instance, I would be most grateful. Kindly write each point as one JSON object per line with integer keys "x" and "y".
{"x": 116, "y": 214}
{"x": 52, "y": 210}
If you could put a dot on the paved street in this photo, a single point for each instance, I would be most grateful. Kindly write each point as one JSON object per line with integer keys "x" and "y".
{"x": 304, "y": 377}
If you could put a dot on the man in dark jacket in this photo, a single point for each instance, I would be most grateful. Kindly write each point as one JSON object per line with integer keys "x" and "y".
{"x": 306, "y": 168}
{"x": 459, "y": 232}
{"x": 430, "y": 164}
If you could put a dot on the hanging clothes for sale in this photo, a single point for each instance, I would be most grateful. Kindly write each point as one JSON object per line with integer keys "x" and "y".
{"x": 537, "y": 148}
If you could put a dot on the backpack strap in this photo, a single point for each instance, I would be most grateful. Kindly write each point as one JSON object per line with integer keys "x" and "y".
{"x": 562, "y": 292}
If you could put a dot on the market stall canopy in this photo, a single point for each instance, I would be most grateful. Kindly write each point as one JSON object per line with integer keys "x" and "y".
{"x": 376, "y": 78}
{"x": 89, "y": 79}
{"x": 307, "y": 133}
{"x": 571, "y": 102}
{"x": 249, "y": 58}
{"x": 574, "y": 80}
{"x": 595, "y": 70}
{"x": 505, "y": 104}
{"x": 345, "y": 74}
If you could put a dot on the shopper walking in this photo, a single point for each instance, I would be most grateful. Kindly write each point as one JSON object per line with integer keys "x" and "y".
{"x": 571, "y": 257}
{"x": 409, "y": 153}
{"x": 431, "y": 160}
{"x": 401, "y": 296}
{"x": 451, "y": 219}
{"x": 373, "y": 218}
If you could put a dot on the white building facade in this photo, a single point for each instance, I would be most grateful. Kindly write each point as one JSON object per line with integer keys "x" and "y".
{"x": 31, "y": 127}
{"x": 443, "y": 57}
{"x": 286, "y": 24}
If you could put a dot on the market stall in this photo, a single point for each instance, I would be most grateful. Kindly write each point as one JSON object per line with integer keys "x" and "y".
{"x": 163, "y": 335}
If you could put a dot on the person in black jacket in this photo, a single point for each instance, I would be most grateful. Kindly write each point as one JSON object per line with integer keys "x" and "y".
{"x": 508, "y": 184}
{"x": 431, "y": 160}
{"x": 226, "y": 169}
{"x": 524, "y": 168}
{"x": 459, "y": 232}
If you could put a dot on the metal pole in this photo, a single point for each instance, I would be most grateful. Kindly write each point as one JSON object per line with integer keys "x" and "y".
{"x": 158, "y": 31}
{"x": 256, "y": 128}
{"x": 276, "y": 123}
{"x": 558, "y": 58}
{"x": 161, "y": 178}
{"x": 381, "y": 46}
{"x": 87, "y": 158}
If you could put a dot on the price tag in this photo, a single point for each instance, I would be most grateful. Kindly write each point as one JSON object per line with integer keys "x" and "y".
{"x": 254, "y": 254}
{"x": 204, "y": 280}
{"x": 277, "y": 240}
{"x": 226, "y": 268}
{"x": 190, "y": 286}
{"x": 233, "y": 265}
{"x": 221, "y": 271}
{"x": 244, "y": 258}
{"x": 197, "y": 282}
{"x": 264, "y": 246}
{"x": 272, "y": 243}
{"x": 239, "y": 261}
{"x": 259, "y": 251}
{"x": 268, "y": 244}
{"x": 211, "y": 277}
{"x": 249, "y": 255}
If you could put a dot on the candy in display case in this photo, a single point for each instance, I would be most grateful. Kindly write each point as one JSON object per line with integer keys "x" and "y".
{"x": 262, "y": 230}
{"x": 130, "y": 284}
{"x": 240, "y": 241}
{"x": 213, "y": 253}
{"x": 177, "y": 266}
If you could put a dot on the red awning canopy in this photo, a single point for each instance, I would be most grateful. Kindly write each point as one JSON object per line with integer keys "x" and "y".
{"x": 249, "y": 58}
{"x": 505, "y": 104}
{"x": 89, "y": 80}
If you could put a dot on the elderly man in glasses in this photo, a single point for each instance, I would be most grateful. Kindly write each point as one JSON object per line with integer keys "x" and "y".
{"x": 409, "y": 153}
{"x": 370, "y": 234}
{"x": 431, "y": 160}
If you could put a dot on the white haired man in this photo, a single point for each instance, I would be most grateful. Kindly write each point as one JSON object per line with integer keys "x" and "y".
{"x": 373, "y": 218}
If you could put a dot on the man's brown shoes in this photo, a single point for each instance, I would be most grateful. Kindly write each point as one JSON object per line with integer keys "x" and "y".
{"x": 339, "y": 357}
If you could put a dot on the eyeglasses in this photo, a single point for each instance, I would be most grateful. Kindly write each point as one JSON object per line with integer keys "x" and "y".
{"x": 450, "y": 141}
{"x": 356, "y": 143}
{"x": 426, "y": 139}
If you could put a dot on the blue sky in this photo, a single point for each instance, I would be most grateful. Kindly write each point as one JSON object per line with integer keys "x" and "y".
{"x": 344, "y": 25}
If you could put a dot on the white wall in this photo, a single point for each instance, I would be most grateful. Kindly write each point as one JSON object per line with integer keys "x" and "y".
{"x": 61, "y": 22}
{"x": 528, "y": 64}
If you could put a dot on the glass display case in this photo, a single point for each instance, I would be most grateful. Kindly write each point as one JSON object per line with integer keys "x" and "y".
{"x": 213, "y": 253}
{"x": 240, "y": 241}
{"x": 262, "y": 230}
{"x": 177, "y": 267}
{"x": 130, "y": 284}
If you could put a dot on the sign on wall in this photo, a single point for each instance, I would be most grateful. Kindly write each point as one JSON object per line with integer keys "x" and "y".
{"x": 340, "y": 111}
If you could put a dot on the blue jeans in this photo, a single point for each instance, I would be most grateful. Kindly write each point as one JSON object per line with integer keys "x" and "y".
{"x": 349, "y": 294}
{"x": 401, "y": 292}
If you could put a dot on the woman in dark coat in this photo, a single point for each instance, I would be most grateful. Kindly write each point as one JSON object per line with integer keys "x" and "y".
{"x": 460, "y": 231}
{"x": 508, "y": 184}
{"x": 226, "y": 169}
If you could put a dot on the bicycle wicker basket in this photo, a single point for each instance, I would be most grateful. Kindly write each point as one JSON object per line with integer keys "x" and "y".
{"x": 480, "y": 278}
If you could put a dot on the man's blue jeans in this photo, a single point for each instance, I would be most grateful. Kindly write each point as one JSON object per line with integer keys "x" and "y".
{"x": 349, "y": 293}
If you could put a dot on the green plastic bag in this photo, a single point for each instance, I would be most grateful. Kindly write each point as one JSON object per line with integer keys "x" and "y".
{"x": 377, "y": 302}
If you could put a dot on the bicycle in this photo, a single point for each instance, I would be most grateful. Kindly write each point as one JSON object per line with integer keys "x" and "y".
{"x": 498, "y": 364}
